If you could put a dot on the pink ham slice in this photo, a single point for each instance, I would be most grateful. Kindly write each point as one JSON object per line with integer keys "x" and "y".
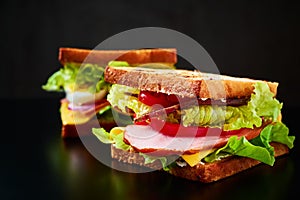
{"x": 87, "y": 109}
{"x": 146, "y": 140}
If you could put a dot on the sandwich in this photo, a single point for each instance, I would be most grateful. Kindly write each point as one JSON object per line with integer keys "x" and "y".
{"x": 81, "y": 78}
{"x": 194, "y": 125}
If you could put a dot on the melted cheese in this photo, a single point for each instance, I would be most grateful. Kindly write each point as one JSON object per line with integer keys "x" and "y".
{"x": 194, "y": 159}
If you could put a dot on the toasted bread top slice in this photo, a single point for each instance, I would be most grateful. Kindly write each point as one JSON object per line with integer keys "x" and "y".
{"x": 184, "y": 83}
{"x": 133, "y": 57}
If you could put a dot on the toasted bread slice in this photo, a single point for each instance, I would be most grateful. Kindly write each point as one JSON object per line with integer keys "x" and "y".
{"x": 203, "y": 172}
{"x": 102, "y": 57}
{"x": 184, "y": 83}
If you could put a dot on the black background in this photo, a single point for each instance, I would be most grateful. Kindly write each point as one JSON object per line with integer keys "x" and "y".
{"x": 244, "y": 38}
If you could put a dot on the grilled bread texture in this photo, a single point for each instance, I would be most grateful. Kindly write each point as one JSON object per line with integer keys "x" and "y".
{"x": 184, "y": 83}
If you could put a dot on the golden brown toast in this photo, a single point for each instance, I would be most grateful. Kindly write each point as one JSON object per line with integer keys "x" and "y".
{"x": 184, "y": 83}
{"x": 102, "y": 57}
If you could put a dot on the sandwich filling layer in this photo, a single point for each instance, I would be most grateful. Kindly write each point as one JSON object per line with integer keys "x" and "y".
{"x": 85, "y": 90}
{"x": 260, "y": 105}
{"x": 196, "y": 132}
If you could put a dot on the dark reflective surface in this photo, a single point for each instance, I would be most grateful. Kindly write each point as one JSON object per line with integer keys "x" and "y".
{"x": 37, "y": 163}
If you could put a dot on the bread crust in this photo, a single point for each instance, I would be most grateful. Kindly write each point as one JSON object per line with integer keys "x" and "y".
{"x": 131, "y": 157}
{"x": 184, "y": 83}
{"x": 203, "y": 172}
{"x": 102, "y": 57}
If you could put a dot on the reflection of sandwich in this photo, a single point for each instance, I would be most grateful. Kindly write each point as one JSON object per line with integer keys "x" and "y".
{"x": 81, "y": 78}
{"x": 194, "y": 125}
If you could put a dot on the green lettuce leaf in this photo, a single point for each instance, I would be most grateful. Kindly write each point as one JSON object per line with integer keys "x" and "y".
{"x": 111, "y": 138}
{"x": 124, "y": 97}
{"x": 103, "y": 135}
{"x": 241, "y": 117}
{"x": 104, "y": 109}
{"x": 118, "y": 63}
{"x": 280, "y": 134}
{"x": 277, "y": 132}
{"x": 242, "y": 147}
{"x": 232, "y": 118}
{"x": 150, "y": 159}
{"x": 62, "y": 78}
{"x": 261, "y": 104}
{"x": 263, "y": 101}
{"x": 258, "y": 148}
{"x": 74, "y": 76}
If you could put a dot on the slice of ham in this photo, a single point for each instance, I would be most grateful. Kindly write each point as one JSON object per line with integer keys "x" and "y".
{"x": 89, "y": 108}
{"x": 146, "y": 140}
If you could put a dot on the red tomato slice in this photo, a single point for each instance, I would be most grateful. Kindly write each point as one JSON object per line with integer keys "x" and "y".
{"x": 152, "y": 98}
{"x": 178, "y": 130}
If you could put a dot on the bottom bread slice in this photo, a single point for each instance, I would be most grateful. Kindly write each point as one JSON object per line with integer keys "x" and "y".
{"x": 204, "y": 172}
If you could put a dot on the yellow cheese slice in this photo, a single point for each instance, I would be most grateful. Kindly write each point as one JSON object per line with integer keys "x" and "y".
{"x": 194, "y": 159}
{"x": 279, "y": 118}
{"x": 117, "y": 130}
{"x": 68, "y": 116}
